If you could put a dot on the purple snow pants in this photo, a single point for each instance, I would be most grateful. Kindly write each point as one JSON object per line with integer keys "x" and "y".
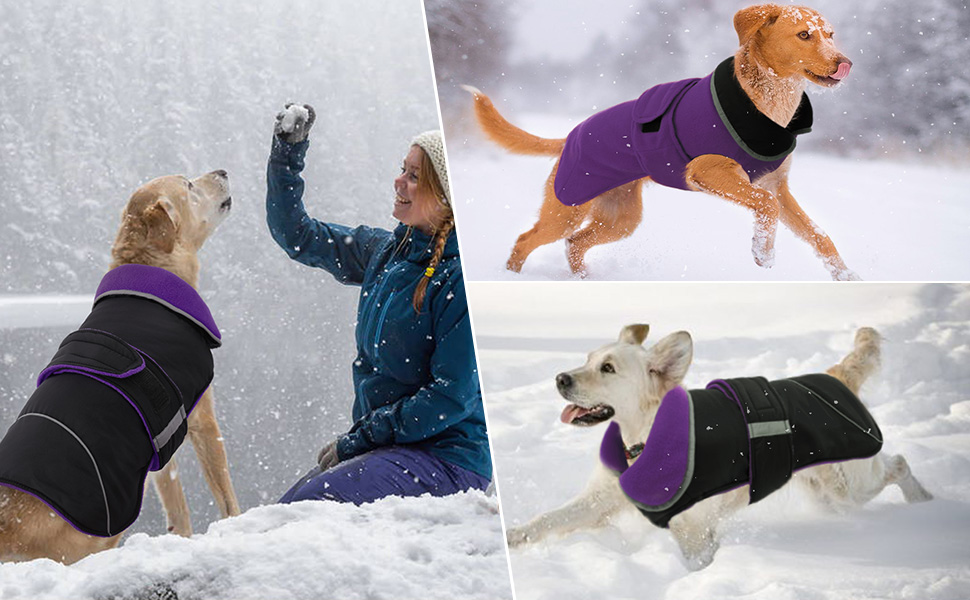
{"x": 390, "y": 471}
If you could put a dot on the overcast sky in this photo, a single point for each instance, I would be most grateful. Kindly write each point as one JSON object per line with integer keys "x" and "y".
{"x": 539, "y": 22}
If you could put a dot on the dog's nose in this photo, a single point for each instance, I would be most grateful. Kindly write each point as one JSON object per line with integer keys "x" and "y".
{"x": 221, "y": 173}
{"x": 564, "y": 381}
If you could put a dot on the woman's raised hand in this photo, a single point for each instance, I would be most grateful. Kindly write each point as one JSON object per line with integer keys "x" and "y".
{"x": 293, "y": 123}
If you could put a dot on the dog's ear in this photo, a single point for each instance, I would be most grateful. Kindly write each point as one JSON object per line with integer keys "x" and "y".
{"x": 748, "y": 21}
{"x": 634, "y": 334}
{"x": 161, "y": 222}
{"x": 671, "y": 356}
{"x": 146, "y": 223}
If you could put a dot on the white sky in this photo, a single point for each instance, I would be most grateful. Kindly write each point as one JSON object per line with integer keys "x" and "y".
{"x": 542, "y": 26}
{"x": 707, "y": 310}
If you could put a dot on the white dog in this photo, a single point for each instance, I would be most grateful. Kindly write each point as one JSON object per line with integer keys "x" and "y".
{"x": 625, "y": 382}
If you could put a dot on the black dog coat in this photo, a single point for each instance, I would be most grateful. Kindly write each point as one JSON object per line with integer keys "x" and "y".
{"x": 113, "y": 402}
{"x": 737, "y": 432}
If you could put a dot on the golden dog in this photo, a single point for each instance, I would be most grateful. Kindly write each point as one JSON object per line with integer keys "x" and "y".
{"x": 165, "y": 223}
{"x": 782, "y": 48}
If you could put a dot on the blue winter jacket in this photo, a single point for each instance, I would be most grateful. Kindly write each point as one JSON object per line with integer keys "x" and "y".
{"x": 415, "y": 376}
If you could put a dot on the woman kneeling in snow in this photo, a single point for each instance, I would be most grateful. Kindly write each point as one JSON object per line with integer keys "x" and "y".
{"x": 419, "y": 424}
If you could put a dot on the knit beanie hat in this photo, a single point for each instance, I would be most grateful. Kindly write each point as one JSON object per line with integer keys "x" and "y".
{"x": 433, "y": 145}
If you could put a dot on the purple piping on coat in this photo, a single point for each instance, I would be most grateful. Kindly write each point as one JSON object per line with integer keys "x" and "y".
{"x": 155, "y": 460}
{"x": 56, "y": 369}
{"x": 657, "y": 475}
{"x": 54, "y": 509}
{"x": 164, "y": 287}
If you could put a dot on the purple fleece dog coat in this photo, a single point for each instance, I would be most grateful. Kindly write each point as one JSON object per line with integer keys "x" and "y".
{"x": 113, "y": 402}
{"x": 668, "y": 126}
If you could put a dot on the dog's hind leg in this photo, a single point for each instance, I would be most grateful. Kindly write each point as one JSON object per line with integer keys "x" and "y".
{"x": 856, "y": 482}
{"x": 862, "y": 362}
{"x": 615, "y": 215}
{"x": 29, "y": 529}
{"x": 556, "y": 221}
{"x": 898, "y": 472}
{"x": 725, "y": 178}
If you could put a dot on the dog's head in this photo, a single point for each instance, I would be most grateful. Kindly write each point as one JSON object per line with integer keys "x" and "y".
{"x": 625, "y": 381}
{"x": 168, "y": 219}
{"x": 793, "y": 41}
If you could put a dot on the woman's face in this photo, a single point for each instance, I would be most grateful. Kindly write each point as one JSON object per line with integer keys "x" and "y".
{"x": 414, "y": 205}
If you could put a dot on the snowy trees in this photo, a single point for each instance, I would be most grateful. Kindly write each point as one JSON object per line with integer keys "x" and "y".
{"x": 469, "y": 43}
{"x": 909, "y": 92}
{"x": 97, "y": 97}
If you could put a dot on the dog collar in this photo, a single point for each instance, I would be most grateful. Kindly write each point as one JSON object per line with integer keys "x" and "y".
{"x": 633, "y": 451}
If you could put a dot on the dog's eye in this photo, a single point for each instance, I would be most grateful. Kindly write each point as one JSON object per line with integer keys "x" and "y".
{"x": 804, "y": 35}
{"x": 607, "y": 368}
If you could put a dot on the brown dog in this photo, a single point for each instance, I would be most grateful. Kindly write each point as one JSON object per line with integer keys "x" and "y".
{"x": 164, "y": 225}
{"x": 782, "y": 48}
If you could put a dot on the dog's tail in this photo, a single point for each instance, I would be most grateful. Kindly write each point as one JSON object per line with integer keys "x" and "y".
{"x": 508, "y": 135}
{"x": 862, "y": 362}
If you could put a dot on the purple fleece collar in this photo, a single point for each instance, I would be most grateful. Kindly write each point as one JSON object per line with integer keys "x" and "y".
{"x": 612, "y": 450}
{"x": 164, "y": 287}
{"x": 661, "y": 474}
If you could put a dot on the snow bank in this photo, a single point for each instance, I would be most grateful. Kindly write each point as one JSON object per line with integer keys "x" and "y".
{"x": 395, "y": 548}
{"x": 890, "y": 222}
{"x": 785, "y": 547}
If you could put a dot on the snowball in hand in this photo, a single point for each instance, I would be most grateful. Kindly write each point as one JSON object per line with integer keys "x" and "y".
{"x": 293, "y": 114}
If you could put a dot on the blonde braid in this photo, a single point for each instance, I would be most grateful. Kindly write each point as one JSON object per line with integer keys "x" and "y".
{"x": 440, "y": 239}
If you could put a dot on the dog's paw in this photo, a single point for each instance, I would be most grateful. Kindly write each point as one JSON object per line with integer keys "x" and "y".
{"x": 702, "y": 559}
{"x": 845, "y": 275}
{"x": 517, "y": 537}
{"x": 763, "y": 257}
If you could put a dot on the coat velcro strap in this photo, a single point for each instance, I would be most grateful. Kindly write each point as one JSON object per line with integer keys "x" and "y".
{"x": 141, "y": 381}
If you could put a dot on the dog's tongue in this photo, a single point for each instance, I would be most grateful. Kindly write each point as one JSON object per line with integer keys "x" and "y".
{"x": 571, "y": 413}
{"x": 843, "y": 71}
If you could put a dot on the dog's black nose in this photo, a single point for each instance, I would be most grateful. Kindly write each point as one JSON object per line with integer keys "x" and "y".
{"x": 564, "y": 381}
{"x": 221, "y": 173}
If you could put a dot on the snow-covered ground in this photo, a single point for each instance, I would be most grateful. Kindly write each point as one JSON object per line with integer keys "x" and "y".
{"x": 891, "y": 221}
{"x": 396, "y": 548}
{"x": 784, "y": 547}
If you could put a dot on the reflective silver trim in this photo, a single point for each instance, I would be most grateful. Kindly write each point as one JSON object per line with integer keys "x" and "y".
{"x": 768, "y": 428}
{"x": 166, "y": 304}
{"x": 835, "y": 408}
{"x": 170, "y": 429}
{"x": 104, "y": 494}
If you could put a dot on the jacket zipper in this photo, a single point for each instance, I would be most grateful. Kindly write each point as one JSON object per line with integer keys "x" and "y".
{"x": 380, "y": 326}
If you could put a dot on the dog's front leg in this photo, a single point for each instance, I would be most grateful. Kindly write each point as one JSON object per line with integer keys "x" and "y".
{"x": 170, "y": 492}
{"x": 600, "y": 500}
{"x": 207, "y": 441}
{"x": 725, "y": 178}
{"x": 696, "y": 529}
{"x": 801, "y": 225}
